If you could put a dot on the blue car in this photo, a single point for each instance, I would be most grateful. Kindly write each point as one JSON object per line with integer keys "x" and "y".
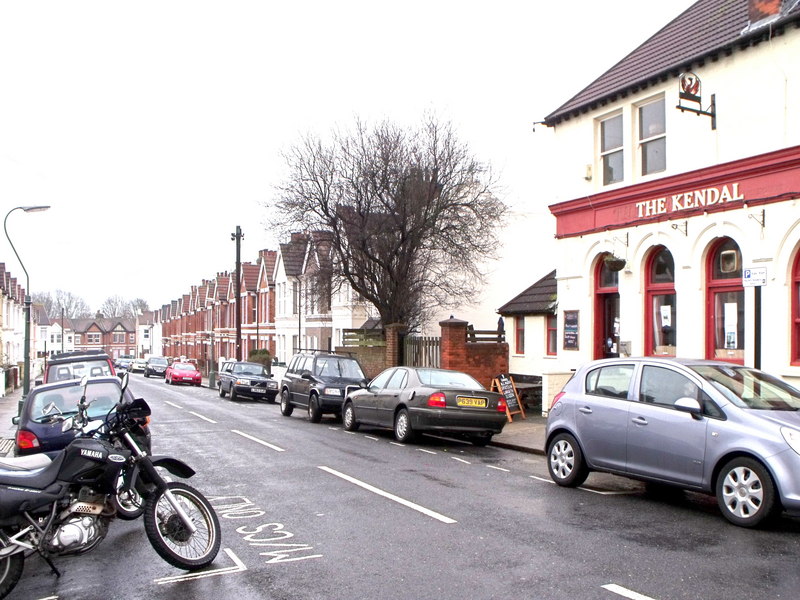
{"x": 39, "y": 425}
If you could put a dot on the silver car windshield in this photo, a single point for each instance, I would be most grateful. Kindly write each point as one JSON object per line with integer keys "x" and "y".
{"x": 102, "y": 396}
{"x": 749, "y": 388}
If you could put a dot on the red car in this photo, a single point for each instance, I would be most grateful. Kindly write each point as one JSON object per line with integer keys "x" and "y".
{"x": 182, "y": 372}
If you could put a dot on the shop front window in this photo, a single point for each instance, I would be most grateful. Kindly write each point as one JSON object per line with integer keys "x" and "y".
{"x": 660, "y": 311}
{"x": 725, "y": 303}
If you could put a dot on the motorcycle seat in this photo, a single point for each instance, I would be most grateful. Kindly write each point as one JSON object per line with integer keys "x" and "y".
{"x": 24, "y": 463}
{"x": 38, "y": 478}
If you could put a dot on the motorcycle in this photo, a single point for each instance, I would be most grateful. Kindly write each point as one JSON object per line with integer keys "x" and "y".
{"x": 66, "y": 506}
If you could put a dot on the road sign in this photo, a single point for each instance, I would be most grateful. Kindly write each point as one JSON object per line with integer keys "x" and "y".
{"x": 754, "y": 277}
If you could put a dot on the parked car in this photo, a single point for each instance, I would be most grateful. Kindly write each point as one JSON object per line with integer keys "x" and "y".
{"x": 124, "y": 364}
{"x": 182, "y": 372}
{"x": 74, "y": 365}
{"x": 155, "y": 365}
{"x": 707, "y": 426}
{"x": 137, "y": 364}
{"x": 318, "y": 382}
{"x": 411, "y": 400}
{"x": 246, "y": 379}
{"x": 39, "y": 426}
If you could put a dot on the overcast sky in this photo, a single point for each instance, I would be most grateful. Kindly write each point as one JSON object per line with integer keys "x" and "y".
{"x": 153, "y": 129}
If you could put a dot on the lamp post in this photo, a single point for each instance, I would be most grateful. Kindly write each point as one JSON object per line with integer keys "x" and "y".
{"x": 26, "y": 376}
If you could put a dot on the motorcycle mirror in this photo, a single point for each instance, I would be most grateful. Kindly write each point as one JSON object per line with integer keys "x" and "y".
{"x": 67, "y": 424}
{"x": 124, "y": 381}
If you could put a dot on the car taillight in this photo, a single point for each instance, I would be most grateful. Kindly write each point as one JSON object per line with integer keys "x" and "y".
{"x": 556, "y": 398}
{"x": 437, "y": 400}
{"x": 26, "y": 440}
{"x": 502, "y": 406}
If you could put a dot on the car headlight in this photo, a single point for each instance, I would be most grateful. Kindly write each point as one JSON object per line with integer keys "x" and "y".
{"x": 273, "y": 385}
{"x": 792, "y": 437}
{"x": 332, "y": 392}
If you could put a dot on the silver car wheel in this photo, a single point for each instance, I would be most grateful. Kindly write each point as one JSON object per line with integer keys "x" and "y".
{"x": 743, "y": 492}
{"x": 562, "y": 459}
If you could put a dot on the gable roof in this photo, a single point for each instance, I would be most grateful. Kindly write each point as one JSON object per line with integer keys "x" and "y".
{"x": 293, "y": 254}
{"x": 705, "y": 30}
{"x": 539, "y": 299}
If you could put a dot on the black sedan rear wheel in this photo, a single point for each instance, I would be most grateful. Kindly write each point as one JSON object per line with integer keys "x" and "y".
{"x": 349, "y": 417}
{"x": 402, "y": 427}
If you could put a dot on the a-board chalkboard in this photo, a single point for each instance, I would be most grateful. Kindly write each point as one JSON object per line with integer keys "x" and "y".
{"x": 505, "y": 385}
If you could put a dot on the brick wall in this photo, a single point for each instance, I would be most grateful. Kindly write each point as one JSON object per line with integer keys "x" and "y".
{"x": 484, "y": 361}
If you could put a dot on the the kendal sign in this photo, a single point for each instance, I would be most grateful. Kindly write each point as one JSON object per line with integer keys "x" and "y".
{"x": 703, "y": 198}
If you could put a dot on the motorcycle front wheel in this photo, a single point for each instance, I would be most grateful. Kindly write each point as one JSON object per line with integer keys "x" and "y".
{"x": 171, "y": 539}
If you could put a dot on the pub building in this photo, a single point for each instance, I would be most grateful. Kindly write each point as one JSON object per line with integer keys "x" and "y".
{"x": 678, "y": 197}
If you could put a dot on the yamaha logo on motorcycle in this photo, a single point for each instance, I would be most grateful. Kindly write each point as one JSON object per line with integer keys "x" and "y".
{"x": 65, "y": 506}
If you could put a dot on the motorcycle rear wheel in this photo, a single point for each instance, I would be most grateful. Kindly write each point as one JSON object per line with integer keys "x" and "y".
{"x": 170, "y": 538}
{"x": 10, "y": 572}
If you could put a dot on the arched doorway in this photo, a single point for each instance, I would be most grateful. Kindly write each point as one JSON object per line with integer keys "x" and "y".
{"x": 606, "y": 309}
{"x": 725, "y": 302}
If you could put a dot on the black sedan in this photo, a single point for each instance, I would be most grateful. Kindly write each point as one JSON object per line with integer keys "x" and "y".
{"x": 412, "y": 399}
{"x": 39, "y": 426}
{"x": 248, "y": 380}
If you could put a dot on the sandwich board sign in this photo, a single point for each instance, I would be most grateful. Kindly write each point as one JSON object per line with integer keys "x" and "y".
{"x": 505, "y": 385}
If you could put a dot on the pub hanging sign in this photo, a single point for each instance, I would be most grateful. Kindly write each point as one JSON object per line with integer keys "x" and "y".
{"x": 691, "y": 91}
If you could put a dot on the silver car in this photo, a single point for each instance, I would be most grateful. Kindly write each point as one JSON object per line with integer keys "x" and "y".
{"x": 706, "y": 426}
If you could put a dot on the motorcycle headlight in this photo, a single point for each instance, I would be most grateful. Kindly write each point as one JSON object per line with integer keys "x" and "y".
{"x": 792, "y": 437}
{"x": 332, "y": 392}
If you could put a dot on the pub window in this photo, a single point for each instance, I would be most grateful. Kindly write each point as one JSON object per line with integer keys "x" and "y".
{"x": 611, "y": 149}
{"x": 552, "y": 341}
{"x": 725, "y": 302}
{"x": 652, "y": 137}
{"x": 796, "y": 310}
{"x": 519, "y": 330}
{"x": 660, "y": 309}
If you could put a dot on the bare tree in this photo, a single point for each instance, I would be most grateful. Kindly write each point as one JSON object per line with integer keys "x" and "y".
{"x": 73, "y": 306}
{"x": 139, "y": 305}
{"x": 115, "y": 306}
{"x": 412, "y": 213}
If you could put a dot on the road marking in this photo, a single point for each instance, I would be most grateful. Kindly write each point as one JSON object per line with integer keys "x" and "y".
{"x": 499, "y": 468}
{"x": 624, "y": 592}
{"x": 398, "y": 499}
{"x": 258, "y": 441}
{"x": 240, "y": 566}
{"x": 172, "y": 404}
{"x": 425, "y": 451}
{"x": 607, "y": 493}
{"x": 372, "y": 437}
{"x": 201, "y": 417}
{"x": 466, "y": 462}
{"x": 541, "y": 479}
{"x": 397, "y": 444}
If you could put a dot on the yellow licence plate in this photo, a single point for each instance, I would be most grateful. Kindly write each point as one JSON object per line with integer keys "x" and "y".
{"x": 466, "y": 401}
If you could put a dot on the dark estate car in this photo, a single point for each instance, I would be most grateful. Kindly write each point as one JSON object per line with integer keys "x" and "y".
{"x": 156, "y": 365}
{"x": 246, "y": 379}
{"x": 319, "y": 381}
{"x": 39, "y": 424}
{"x": 410, "y": 400}
{"x": 74, "y": 365}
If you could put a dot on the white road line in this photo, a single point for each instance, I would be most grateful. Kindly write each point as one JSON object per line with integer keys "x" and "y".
{"x": 201, "y": 417}
{"x": 240, "y": 566}
{"x": 372, "y": 437}
{"x": 541, "y": 479}
{"x": 425, "y": 451}
{"x": 335, "y": 429}
{"x": 258, "y": 441}
{"x": 624, "y": 592}
{"x": 499, "y": 469}
{"x": 397, "y": 444}
{"x": 606, "y": 493}
{"x": 172, "y": 404}
{"x": 398, "y": 499}
{"x": 466, "y": 462}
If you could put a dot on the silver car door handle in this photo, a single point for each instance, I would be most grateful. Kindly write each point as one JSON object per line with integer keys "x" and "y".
{"x": 586, "y": 410}
{"x": 639, "y": 420}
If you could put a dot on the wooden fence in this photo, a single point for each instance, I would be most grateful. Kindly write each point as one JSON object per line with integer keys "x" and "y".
{"x": 422, "y": 351}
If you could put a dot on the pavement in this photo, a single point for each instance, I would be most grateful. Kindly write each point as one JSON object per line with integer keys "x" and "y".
{"x": 521, "y": 434}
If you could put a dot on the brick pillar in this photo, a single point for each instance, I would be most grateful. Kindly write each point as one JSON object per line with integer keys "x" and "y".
{"x": 453, "y": 344}
{"x": 393, "y": 333}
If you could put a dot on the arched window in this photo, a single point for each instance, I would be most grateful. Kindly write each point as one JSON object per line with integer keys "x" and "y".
{"x": 606, "y": 309}
{"x": 725, "y": 302}
{"x": 796, "y": 310}
{"x": 660, "y": 304}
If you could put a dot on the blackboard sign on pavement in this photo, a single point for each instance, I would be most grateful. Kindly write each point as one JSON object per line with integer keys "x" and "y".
{"x": 505, "y": 385}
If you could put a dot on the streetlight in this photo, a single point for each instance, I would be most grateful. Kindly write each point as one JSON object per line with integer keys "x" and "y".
{"x": 26, "y": 376}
